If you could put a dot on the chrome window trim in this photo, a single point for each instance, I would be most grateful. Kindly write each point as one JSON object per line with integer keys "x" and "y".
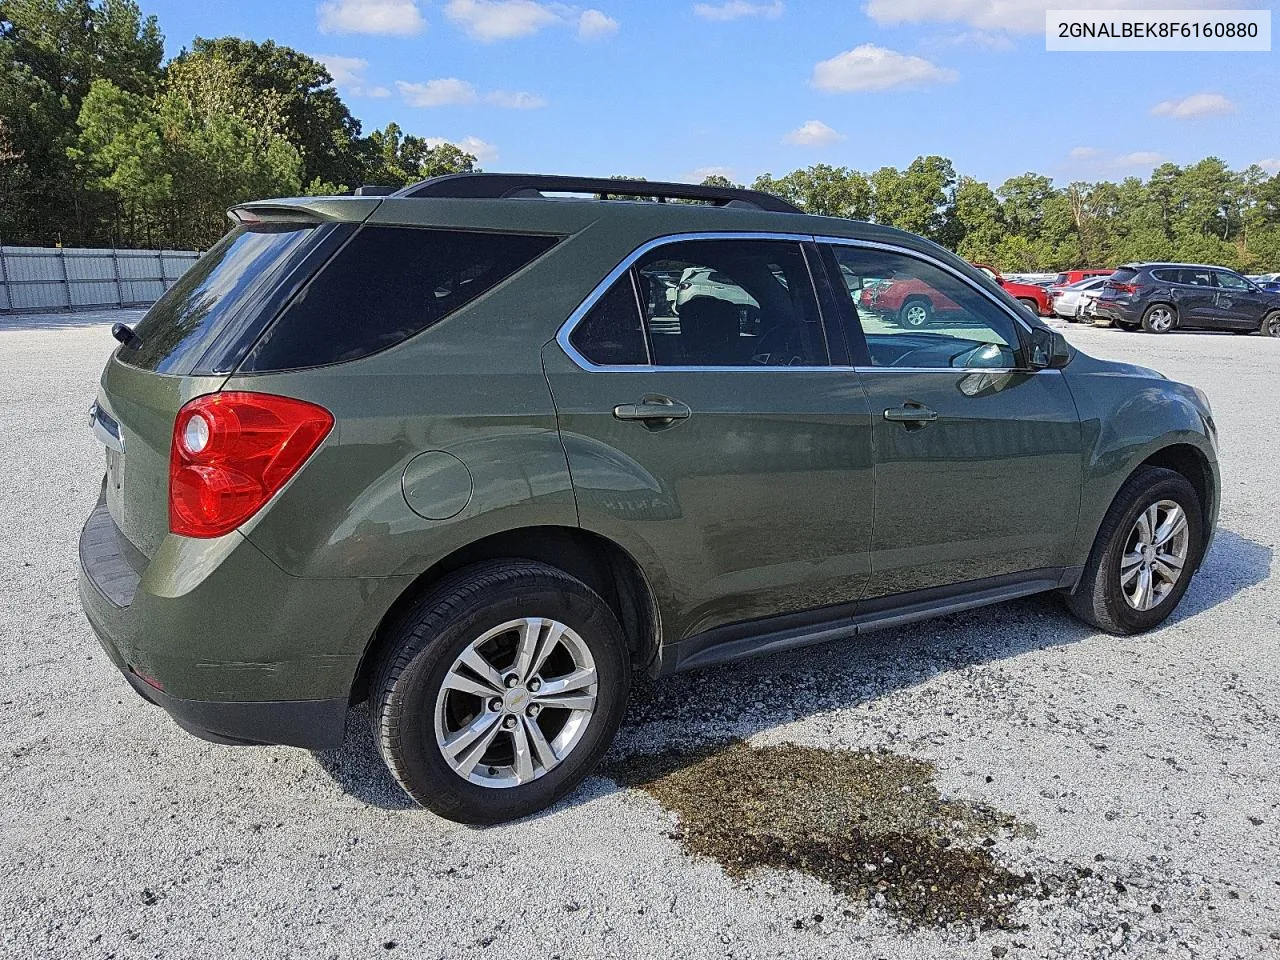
{"x": 567, "y": 328}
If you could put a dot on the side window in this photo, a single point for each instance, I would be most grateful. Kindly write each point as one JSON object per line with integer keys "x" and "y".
{"x": 914, "y": 314}
{"x": 611, "y": 333}
{"x": 730, "y": 303}
{"x": 1196, "y": 278}
{"x": 1229, "y": 281}
{"x": 1166, "y": 276}
{"x": 386, "y": 285}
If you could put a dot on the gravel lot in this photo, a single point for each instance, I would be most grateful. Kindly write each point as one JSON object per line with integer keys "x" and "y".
{"x": 1144, "y": 773}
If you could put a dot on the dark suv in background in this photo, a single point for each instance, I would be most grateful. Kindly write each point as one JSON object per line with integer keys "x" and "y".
{"x": 452, "y": 451}
{"x": 1159, "y": 297}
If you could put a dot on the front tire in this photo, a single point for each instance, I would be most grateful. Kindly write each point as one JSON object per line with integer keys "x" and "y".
{"x": 1159, "y": 318}
{"x": 1149, "y": 545}
{"x": 500, "y": 691}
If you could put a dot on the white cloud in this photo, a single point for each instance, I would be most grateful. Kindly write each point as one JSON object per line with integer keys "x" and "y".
{"x": 594, "y": 25}
{"x": 982, "y": 39}
{"x": 1139, "y": 158}
{"x": 348, "y": 74}
{"x": 518, "y": 100}
{"x": 697, "y": 176}
{"x": 1271, "y": 163}
{"x": 483, "y": 151}
{"x": 868, "y": 67}
{"x": 1194, "y": 106}
{"x": 1016, "y": 16}
{"x": 1085, "y": 153}
{"x": 452, "y": 92}
{"x": 813, "y": 133}
{"x": 396, "y": 17}
{"x": 737, "y": 9}
{"x": 490, "y": 20}
{"x": 445, "y": 92}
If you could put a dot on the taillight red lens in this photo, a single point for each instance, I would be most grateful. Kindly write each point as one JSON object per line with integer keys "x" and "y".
{"x": 231, "y": 452}
{"x": 1124, "y": 287}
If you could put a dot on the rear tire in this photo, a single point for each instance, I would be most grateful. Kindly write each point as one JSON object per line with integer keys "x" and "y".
{"x": 916, "y": 314}
{"x": 447, "y": 674}
{"x": 1030, "y": 305}
{"x": 1159, "y": 318}
{"x": 1271, "y": 324}
{"x": 1109, "y": 595}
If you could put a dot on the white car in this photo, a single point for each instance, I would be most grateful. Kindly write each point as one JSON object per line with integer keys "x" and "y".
{"x": 1071, "y": 300}
{"x": 706, "y": 282}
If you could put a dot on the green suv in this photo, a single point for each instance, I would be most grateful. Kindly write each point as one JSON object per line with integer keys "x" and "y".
{"x": 460, "y": 451}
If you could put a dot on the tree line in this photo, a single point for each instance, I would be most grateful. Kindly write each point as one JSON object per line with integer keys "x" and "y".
{"x": 102, "y": 143}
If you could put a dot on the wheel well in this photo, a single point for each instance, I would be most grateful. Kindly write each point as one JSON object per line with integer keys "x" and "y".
{"x": 1185, "y": 459}
{"x": 599, "y": 563}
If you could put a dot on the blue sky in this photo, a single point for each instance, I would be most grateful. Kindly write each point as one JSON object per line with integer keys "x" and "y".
{"x": 674, "y": 89}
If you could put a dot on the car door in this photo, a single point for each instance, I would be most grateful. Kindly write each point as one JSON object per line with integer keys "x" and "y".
{"x": 1239, "y": 304}
{"x": 978, "y": 458}
{"x": 1194, "y": 293}
{"x": 713, "y": 438}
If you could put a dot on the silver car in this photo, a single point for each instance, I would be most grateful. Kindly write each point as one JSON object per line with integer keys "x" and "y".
{"x": 1070, "y": 302}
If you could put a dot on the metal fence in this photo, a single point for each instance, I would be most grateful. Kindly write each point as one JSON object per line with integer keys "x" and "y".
{"x": 35, "y": 279}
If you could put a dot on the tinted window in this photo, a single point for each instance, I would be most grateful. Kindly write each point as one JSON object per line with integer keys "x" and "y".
{"x": 1166, "y": 276}
{"x": 180, "y": 325}
{"x": 1230, "y": 281}
{"x": 1123, "y": 275}
{"x": 1196, "y": 278}
{"x": 383, "y": 287}
{"x": 730, "y": 303}
{"x": 914, "y": 314}
{"x": 611, "y": 332}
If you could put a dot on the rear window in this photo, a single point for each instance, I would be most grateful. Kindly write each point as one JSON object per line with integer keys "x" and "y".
{"x": 180, "y": 325}
{"x": 1123, "y": 275}
{"x": 384, "y": 286}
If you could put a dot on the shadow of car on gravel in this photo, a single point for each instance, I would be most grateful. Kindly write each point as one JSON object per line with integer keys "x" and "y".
{"x": 735, "y": 701}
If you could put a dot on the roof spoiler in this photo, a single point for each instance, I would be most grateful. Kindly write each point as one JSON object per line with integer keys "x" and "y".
{"x": 498, "y": 186}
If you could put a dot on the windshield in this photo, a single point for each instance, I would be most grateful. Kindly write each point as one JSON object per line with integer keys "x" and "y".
{"x": 179, "y": 327}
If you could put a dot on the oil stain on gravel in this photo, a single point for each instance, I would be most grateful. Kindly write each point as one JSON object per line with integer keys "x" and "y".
{"x": 871, "y": 825}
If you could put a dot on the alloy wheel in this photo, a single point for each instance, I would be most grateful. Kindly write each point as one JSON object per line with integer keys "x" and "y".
{"x": 915, "y": 315}
{"x": 515, "y": 702}
{"x": 1160, "y": 319}
{"x": 1155, "y": 555}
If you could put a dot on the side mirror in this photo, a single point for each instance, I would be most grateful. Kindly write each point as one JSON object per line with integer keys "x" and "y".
{"x": 1049, "y": 349}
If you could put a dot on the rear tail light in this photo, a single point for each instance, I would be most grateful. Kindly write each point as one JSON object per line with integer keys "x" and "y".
{"x": 1123, "y": 287}
{"x": 231, "y": 453}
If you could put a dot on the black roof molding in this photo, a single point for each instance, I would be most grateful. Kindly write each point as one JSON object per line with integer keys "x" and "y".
{"x": 495, "y": 186}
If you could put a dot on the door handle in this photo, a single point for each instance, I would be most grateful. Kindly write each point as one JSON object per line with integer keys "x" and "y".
{"x": 658, "y": 411}
{"x": 913, "y": 415}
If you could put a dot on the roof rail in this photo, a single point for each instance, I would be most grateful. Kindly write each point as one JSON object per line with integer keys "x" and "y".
{"x": 495, "y": 186}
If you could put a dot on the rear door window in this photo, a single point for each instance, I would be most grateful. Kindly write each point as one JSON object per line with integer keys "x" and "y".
{"x": 611, "y": 334}
{"x": 1195, "y": 277}
{"x": 386, "y": 285}
{"x": 738, "y": 303}
{"x": 180, "y": 325}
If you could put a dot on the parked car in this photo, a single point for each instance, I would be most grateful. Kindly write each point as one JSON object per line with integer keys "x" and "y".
{"x": 1069, "y": 277}
{"x": 1068, "y": 301}
{"x": 1034, "y": 298}
{"x": 426, "y": 450}
{"x": 1159, "y": 297}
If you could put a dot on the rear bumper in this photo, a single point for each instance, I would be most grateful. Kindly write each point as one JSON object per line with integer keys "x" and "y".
{"x": 241, "y": 651}
{"x": 1116, "y": 310}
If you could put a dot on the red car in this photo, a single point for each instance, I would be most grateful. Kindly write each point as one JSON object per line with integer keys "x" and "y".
{"x": 1068, "y": 277}
{"x": 909, "y": 300}
{"x": 1035, "y": 297}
